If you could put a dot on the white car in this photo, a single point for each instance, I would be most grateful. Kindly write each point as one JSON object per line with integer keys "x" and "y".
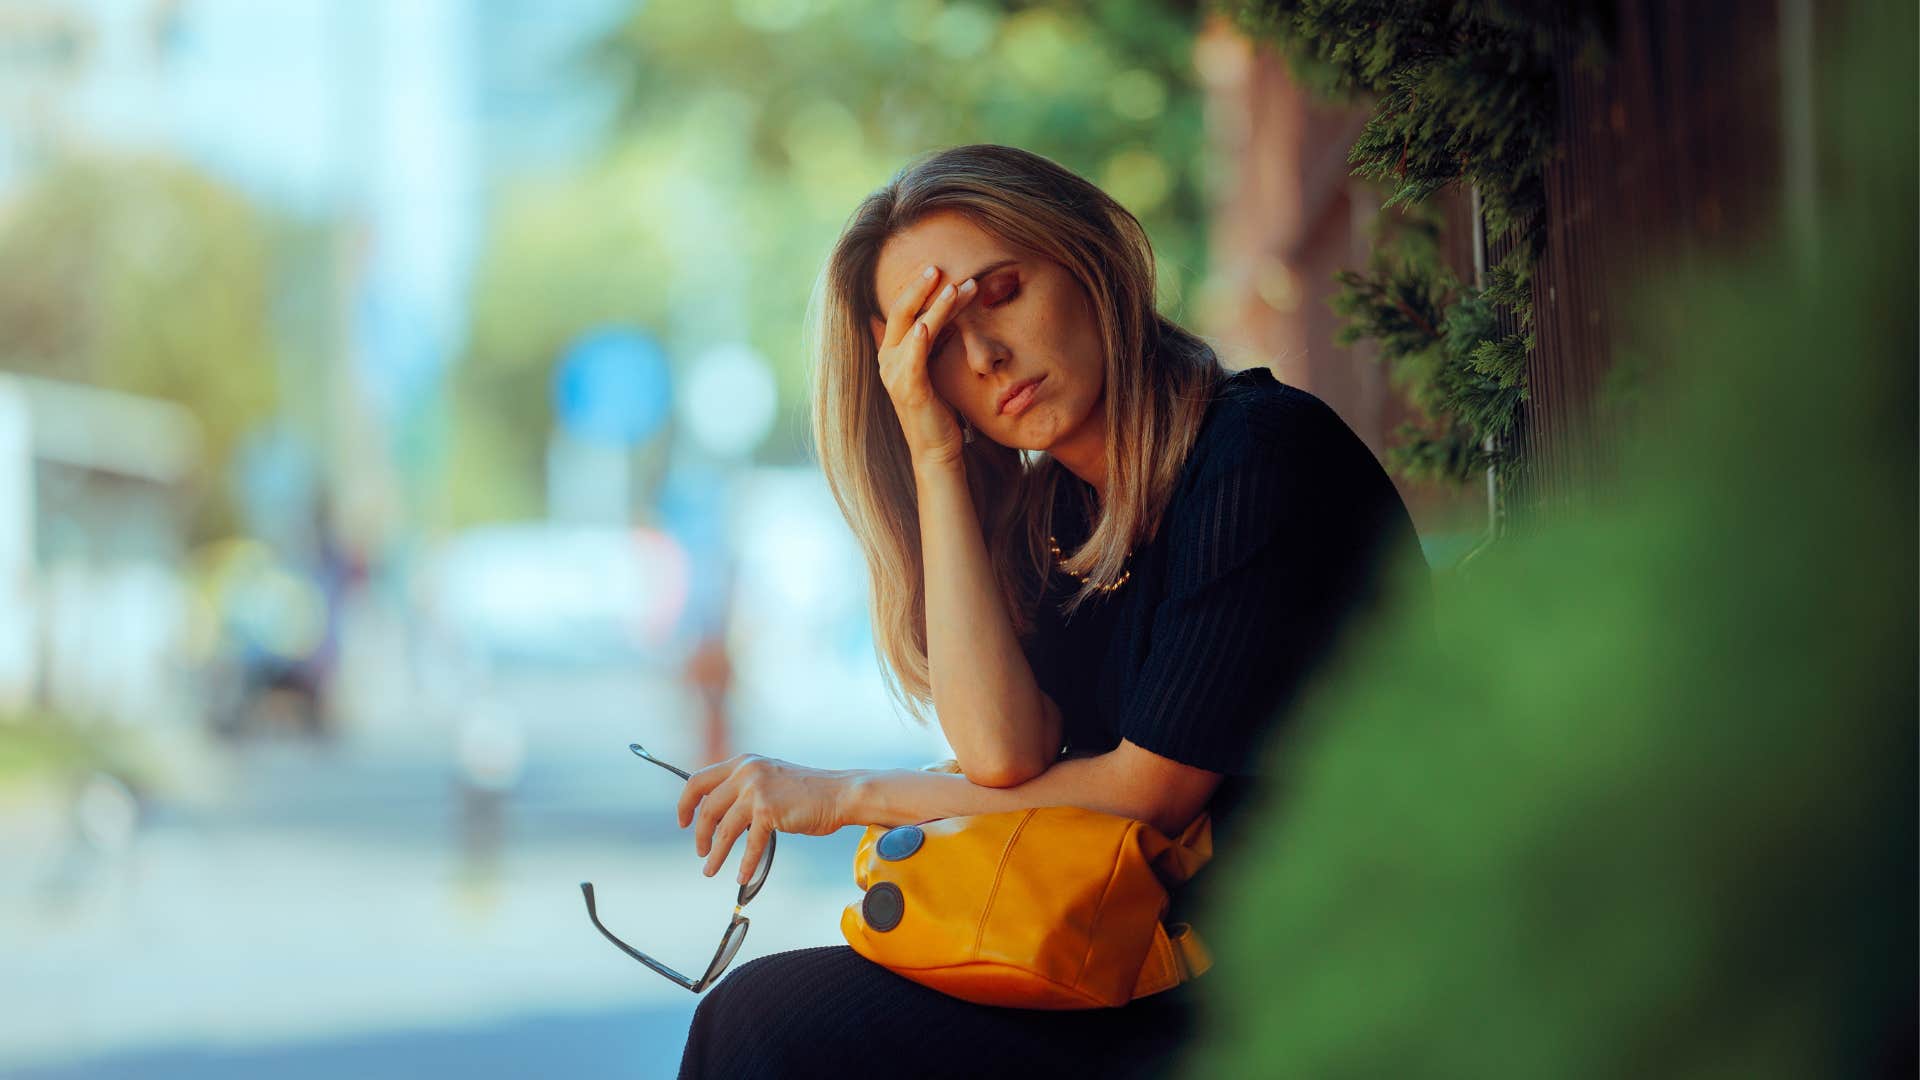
{"x": 549, "y": 595}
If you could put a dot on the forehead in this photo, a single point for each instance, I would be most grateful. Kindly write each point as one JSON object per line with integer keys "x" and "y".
{"x": 946, "y": 240}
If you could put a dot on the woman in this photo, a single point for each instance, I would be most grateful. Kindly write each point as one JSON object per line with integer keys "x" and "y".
{"x": 1105, "y": 562}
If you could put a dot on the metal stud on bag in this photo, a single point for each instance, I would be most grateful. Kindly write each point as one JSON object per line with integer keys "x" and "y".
{"x": 883, "y": 906}
{"x": 898, "y": 843}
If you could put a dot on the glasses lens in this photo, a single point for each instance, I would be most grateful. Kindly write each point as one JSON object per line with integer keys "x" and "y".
{"x": 759, "y": 878}
{"x": 729, "y": 945}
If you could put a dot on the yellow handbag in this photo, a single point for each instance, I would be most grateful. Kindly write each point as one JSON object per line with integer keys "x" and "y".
{"x": 1049, "y": 908}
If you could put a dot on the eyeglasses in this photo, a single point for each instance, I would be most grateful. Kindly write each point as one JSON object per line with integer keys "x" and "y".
{"x": 736, "y": 930}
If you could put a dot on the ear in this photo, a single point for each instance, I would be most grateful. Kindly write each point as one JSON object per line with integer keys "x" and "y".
{"x": 879, "y": 329}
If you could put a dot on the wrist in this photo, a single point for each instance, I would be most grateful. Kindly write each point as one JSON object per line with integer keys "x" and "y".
{"x": 850, "y": 804}
{"x": 931, "y": 465}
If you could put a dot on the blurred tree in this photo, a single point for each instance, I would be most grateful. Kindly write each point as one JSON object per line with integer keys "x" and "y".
{"x": 1649, "y": 807}
{"x": 567, "y": 253}
{"x": 751, "y": 130}
{"x": 144, "y": 276}
{"x": 1462, "y": 93}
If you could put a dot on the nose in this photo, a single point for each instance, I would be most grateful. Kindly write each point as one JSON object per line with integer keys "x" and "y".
{"x": 983, "y": 355}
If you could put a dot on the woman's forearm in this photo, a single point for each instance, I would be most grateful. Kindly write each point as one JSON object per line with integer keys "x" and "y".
{"x": 984, "y": 693}
{"x": 909, "y": 796}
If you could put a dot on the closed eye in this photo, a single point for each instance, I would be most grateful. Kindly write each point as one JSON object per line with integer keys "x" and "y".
{"x": 1000, "y": 292}
{"x": 996, "y": 294}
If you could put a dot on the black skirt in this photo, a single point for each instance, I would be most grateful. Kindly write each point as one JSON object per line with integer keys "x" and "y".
{"x": 830, "y": 1012}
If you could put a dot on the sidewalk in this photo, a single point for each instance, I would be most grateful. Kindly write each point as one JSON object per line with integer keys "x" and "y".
{"x": 343, "y": 906}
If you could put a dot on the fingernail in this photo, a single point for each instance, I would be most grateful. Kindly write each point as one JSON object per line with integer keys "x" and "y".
{"x": 946, "y": 292}
{"x": 966, "y": 286}
{"x": 929, "y": 271}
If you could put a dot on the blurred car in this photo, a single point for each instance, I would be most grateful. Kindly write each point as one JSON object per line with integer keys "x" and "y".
{"x": 540, "y": 594}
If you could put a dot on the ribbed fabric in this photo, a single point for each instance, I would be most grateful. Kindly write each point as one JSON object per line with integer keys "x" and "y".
{"x": 1278, "y": 534}
{"x": 1274, "y": 538}
{"x": 830, "y": 1012}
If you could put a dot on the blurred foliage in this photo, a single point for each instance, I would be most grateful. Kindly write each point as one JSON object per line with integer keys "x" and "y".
{"x": 750, "y": 131}
{"x": 44, "y": 750}
{"x": 1462, "y": 93}
{"x": 1439, "y": 339}
{"x": 38, "y": 745}
{"x": 1648, "y": 806}
{"x": 144, "y": 276}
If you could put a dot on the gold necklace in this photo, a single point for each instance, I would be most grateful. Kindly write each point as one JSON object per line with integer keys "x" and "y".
{"x": 1054, "y": 546}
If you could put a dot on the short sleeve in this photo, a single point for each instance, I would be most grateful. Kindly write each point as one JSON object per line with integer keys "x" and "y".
{"x": 1055, "y": 651}
{"x": 1043, "y": 648}
{"x": 1239, "y": 632}
{"x": 1059, "y": 655}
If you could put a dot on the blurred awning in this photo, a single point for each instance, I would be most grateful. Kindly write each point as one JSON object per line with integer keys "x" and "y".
{"x": 106, "y": 430}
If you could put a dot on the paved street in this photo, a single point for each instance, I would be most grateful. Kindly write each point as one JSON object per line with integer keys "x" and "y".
{"x": 346, "y": 910}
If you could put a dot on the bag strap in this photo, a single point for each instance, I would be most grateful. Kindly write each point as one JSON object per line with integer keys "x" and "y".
{"x": 1177, "y": 859}
{"x": 1177, "y": 955}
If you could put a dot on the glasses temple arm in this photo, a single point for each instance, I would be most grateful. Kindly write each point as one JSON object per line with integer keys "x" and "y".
{"x": 586, "y": 889}
{"x": 647, "y": 755}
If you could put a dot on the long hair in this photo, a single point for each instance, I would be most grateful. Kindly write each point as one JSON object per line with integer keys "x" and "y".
{"x": 1159, "y": 378}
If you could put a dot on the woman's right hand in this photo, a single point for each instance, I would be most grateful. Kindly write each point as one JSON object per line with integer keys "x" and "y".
{"x": 933, "y": 434}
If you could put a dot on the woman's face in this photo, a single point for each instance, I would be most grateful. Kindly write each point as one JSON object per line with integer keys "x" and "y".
{"x": 1031, "y": 323}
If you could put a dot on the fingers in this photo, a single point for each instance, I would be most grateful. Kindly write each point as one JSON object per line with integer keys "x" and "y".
{"x": 910, "y": 300}
{"x": 903, "y": 369}
{"x": 720, "y": 802}
{"x": 758, "y": 837}
{"x": 699, "y": 784}
{"x": 951, "y": 298}
{"x": 945, "y": 305}
{"x": 739, "y": 817}
{"x": 712, "y": 810}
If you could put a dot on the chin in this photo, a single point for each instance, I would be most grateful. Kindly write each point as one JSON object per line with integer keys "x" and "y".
{"x": 1012, "y": 443}
{"x": 1055, "y": 426}
{"x": 1029, "y": 432}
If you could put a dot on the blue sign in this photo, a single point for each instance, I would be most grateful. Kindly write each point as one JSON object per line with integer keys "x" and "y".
{"x": 613, "y": 386}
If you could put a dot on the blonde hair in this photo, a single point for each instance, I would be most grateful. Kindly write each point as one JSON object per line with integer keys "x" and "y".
{"x": 1159, "y": 378}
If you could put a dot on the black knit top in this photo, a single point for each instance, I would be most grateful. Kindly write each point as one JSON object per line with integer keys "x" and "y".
{"x": 1281, "y": 530}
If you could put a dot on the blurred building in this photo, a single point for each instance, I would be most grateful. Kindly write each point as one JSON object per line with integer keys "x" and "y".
{"x": 373, "y": 136}
{"x": 383, "y": 127}
{"x": 93, "y": 494}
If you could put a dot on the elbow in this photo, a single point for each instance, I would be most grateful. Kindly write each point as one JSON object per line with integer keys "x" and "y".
{"x": 1171, "y": 823}
{"x": 1001, "y": 773}
{"x": 1172, "y": 811}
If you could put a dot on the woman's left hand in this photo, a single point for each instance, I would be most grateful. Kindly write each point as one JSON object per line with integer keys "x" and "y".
{"x": 757, "y": 795}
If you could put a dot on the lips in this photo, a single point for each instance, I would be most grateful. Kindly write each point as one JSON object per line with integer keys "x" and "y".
{"x": 1017, "y": 395}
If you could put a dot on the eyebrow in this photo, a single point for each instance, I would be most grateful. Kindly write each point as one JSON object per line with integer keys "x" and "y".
{"x": 998, "y": 264}
{"x": 947, "y": 332}
{"x": 990, "y": 268}
{"x": 880, "y": 313}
